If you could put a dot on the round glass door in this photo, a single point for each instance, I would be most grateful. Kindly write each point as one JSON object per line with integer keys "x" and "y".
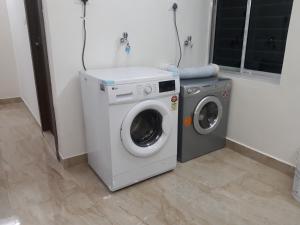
{"x": 208, "y": 115}
{"x": 146, "y": 128}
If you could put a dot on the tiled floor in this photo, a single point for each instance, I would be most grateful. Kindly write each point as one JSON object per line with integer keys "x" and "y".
{"x": 221, "y": 188}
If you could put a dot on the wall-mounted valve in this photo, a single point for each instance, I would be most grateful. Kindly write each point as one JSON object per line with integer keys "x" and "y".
{"x": 124, "y": 38}
{"x": 188, "y": 42}
{"x": 124, "y": 41}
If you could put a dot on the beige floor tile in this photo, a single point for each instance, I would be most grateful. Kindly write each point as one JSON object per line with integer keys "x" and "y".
{"x": 222, "y": 188}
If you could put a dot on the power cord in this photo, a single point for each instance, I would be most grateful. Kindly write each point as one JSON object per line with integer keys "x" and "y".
{"x": 84, "y": 34}
{"x": 174, "y": 7}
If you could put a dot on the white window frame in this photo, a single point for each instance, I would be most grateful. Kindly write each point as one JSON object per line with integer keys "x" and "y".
{"x": 242, "y": 70}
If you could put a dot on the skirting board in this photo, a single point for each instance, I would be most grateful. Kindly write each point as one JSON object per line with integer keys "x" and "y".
{"x": 10, "y": 100}
{"x": 246, "y": 151}
{"x": 261, "y": 158}
{"x": 73, "y": 161}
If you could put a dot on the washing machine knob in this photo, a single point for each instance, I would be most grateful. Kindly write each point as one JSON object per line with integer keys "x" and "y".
{"x": 190, "y": 90}
{"x": 148, "y": 90}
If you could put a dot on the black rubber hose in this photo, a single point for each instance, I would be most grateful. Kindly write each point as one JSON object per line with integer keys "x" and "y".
{"x": 178, "y": 38}
{"x": 84, "y": 37}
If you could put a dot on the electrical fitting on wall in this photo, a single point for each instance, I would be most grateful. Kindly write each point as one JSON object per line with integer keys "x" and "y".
{"x": 124, "y": 41}
{"x": 188, "y": 42}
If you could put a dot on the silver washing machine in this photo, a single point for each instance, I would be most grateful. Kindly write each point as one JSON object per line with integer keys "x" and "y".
{"x": 203, "y": 115}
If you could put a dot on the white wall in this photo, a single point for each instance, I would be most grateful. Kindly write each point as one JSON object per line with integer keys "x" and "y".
{"x": 151, "y": 34}
{"x": 8, "y": 72}
{"x": 266, "y": 116}
{"x": 263, "y": 116}
{"x": 20, "y": 38}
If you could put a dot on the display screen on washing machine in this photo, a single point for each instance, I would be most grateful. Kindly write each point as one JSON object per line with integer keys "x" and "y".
{"x": 166, "y": 86}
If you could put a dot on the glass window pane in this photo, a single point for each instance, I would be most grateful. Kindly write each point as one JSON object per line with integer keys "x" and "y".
{"x": 229, "y": 32}
{"x": 268, "y": 28}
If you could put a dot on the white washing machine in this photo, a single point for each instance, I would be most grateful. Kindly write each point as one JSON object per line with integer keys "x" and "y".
{"x": 131, "y": 119}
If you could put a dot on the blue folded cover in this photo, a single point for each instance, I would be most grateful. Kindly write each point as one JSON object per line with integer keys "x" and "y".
{"x": 211, "y": 70}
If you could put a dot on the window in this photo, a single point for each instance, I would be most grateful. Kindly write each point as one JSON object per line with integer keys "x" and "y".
{"x": 251, "y": 34}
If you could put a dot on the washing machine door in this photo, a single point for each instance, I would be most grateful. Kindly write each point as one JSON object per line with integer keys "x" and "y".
{"x": 146, "y": 128}
{"x": 208, "y": 115}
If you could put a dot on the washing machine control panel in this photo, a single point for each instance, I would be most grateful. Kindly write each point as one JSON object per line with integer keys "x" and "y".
{"x": 166, "y": 86}
{"x": 157, "y": 88}
{"x": 148, "y": 89}
{"x": 193, "y": 90}
{"x": 140, "y": 91}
